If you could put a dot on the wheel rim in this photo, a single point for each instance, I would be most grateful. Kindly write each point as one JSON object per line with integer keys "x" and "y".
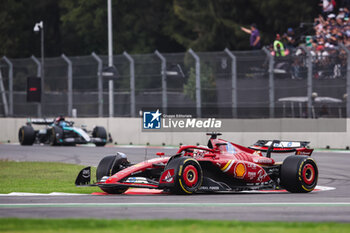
{"x": 190, "y": 176}
{"x": 308, "y": 174}
{"x": 21, "y": 137}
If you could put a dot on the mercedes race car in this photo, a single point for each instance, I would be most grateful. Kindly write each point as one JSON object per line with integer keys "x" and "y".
{"x": 221, "y": 166}
{"x": 60, "y": 132}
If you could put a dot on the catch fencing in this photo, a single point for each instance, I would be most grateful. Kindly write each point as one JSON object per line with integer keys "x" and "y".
{"x": 224, "y": 84}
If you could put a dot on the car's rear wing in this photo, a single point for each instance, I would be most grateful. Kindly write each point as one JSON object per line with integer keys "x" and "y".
{"x": 40, "y": 121}
{"x": 278, "y": 146}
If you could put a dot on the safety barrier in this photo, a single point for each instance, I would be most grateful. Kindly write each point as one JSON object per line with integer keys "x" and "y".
{"x": 127, "y": 131}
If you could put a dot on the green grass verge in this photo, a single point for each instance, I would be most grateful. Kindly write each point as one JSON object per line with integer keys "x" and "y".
{"x": 41, "y": 177}
{"x": 163, "y": 226}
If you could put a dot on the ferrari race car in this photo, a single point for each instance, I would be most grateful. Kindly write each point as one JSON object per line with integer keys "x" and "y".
{"x": 60, "y": 132}
{"x": 221, "y": 166}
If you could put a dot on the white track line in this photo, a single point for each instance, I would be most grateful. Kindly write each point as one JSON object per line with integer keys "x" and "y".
{"x": 320, "y": 188}
{"x": 170, "y": 204}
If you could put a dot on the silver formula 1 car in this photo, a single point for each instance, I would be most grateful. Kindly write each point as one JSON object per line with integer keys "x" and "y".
{"x": 60, "y": 132}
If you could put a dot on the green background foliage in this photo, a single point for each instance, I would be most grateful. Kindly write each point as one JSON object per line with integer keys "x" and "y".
{"x": 208, "y": 84}
{"x": 79, "y": 27}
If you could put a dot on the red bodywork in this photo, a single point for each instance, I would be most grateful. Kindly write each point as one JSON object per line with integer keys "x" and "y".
{"x": 245, "y": 166}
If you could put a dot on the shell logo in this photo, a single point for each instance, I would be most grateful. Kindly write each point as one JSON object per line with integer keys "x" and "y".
{"x": 240, "y": 170}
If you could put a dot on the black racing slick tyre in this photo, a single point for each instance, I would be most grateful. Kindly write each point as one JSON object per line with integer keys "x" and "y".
{"x": 56, "y": 135}
{"x": 299, "y": 174}
{"x": 188, "y": 175}
{"x": 110, "y": 165}
{"x": 100, "y": 132}
{"x": 26, "y": 135}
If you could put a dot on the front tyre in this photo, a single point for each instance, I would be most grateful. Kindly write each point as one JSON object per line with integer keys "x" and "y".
{"x": 26, "y": 135}
{"x": 188, "y": 177}
{"x": 110, "y": 165}
{"x": 100, "y": 132}
{"x": 299, "y": 174}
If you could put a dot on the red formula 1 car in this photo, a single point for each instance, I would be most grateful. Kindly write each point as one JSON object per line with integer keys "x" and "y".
{"x": 221, "y": 166}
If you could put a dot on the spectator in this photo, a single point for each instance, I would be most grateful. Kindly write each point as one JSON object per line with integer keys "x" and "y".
{"x": 254, "y": 36}
{"x": 327, "y": 7}
{"x": 328, "y": 60}
{"x": 290, "y": 39}
{"x": 346, "y": 12}
{"x": 278, "y": 47}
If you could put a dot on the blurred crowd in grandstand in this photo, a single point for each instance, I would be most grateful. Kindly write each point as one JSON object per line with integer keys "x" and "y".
{"x": 330, "y": 29}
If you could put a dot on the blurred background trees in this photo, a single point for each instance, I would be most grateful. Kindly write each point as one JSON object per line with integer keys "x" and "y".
{"x": 78, "y": 27}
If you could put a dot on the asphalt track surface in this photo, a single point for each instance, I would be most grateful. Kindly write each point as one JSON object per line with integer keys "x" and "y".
{"x": 333, "y": 205}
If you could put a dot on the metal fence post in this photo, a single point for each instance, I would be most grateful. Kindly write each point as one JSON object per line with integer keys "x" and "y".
{"x": 10, "y": 75}
{"x": 164, "y": 82}
{"x": 3, "y": 95}
{"x": 37, "y": 62}
{"x": 234, "y": 81}
{"x": 198, "y": 83}
{"x": 271, "y": 83}
{"x": 70, "y": 84}
{"x": 100, "y": 84}
{"x": 347, "y": 79}
{"x": 309, "y": 81}
{"x": 132, "y": 84}
{"x": 111, "y": 97}
{"x": 42, "y": 88}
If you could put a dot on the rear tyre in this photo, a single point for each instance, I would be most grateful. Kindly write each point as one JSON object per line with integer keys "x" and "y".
{"x": 299, "y": 174}
{"x": 26, "y": 135}
{"x": 110, "y": 165}
{"x": 188, "y": 175}
{"x": 56, "y": 135}
{"x": 100, "y": 132}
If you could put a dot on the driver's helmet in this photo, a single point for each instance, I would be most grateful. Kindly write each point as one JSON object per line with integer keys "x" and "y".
{"x": 63, "y": 123}
{"x": 60, "y": 121}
